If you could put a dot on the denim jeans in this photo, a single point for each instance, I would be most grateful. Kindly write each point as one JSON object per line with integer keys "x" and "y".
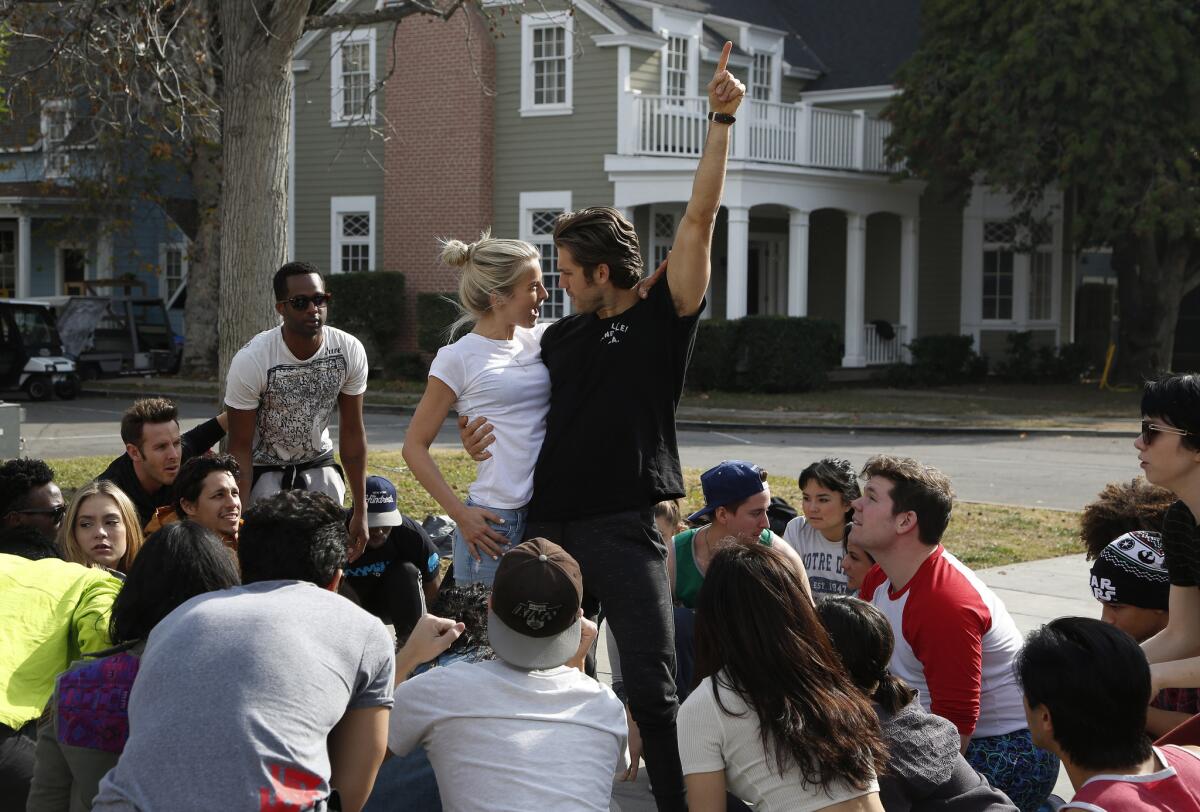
{"x": 468, "y": 570}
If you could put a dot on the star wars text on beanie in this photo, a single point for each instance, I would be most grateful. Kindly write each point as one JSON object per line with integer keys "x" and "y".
{"x": 534, "y": 621}
{"x": 1131, "y": 570}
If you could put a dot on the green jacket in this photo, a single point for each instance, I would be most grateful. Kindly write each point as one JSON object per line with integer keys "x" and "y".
{"x": 688, "y": 577}
{"x": 51, "y": 612}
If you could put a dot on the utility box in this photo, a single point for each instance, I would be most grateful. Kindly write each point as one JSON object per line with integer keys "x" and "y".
{"x": 10, "y": 430}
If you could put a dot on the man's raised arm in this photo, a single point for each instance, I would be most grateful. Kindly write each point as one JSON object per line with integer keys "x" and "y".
{"x": 689, "y": 267}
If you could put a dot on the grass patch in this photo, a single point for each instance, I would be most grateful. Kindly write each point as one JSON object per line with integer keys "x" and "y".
{"x": 981, "y": 535}
{"x": 968, "y": 400}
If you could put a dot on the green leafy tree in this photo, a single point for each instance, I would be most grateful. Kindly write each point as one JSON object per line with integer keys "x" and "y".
{"x": 1097, "y": 98}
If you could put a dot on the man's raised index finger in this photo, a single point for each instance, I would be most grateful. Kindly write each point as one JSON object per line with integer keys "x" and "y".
{"x": 723, "y": 62}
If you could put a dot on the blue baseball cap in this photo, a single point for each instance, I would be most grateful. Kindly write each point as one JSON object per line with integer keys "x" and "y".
{"x": 381, "y": 503}
{"x": 728, "y": 482}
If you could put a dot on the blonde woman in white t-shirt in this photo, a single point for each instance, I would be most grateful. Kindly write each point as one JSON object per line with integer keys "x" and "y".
{"x": 496, "y": 371}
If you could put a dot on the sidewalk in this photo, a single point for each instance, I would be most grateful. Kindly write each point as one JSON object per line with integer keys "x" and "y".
{"x": 705, "y": 418}
{"x": 1034, "y": 592}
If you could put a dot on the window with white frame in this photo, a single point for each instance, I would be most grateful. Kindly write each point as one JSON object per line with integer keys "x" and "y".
{"x": 173, "y": 262}
{"x": 56, "y": 124}
{"x": 664, "y": 233}
{"x": 546, "y": 63}
{"x": 538, "y": 213}
{"x": 352, "y": 80}
{"x": 1041, "y": 274}
{"x": 675, "y": 66}
{"x": 761, "y": 71}
{"x": 998, "y": 254}
{"x": 353, "y": 234}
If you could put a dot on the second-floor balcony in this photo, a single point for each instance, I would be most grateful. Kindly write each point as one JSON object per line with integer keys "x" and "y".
{"x": 798, "y": 134}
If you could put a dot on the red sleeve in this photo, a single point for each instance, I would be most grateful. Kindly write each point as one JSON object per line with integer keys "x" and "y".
{"x": 871, "y": 582}
{"x": 944, "y": 624}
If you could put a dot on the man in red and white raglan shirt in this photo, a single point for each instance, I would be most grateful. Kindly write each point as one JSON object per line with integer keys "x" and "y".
{"x": 955, "y": 641}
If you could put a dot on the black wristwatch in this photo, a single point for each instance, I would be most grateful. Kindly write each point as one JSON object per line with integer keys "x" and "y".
{"x": 721, "y": 118}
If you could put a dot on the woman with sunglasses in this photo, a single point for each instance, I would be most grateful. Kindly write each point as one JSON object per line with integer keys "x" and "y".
{"x": 1169, "y": 453}
{"x": 774, "y": 718}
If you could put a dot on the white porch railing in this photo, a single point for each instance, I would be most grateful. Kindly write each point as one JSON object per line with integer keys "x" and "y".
{"x": 880, "y": 350}
{"x": 797, "y": 134}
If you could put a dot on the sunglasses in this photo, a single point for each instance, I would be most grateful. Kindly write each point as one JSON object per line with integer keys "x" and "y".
{"x": 1148, "y": 430}
{"x": 56, "y": 513}
{"x": 301, "y": 303}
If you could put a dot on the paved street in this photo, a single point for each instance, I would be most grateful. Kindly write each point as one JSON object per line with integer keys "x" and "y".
{"x": 1057, "y": 472}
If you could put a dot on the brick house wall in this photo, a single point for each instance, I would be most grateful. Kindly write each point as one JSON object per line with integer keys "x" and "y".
{"x": 438, "y": 161}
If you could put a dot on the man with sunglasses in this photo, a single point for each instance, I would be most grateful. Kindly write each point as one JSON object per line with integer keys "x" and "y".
{"x": 30, "y": 498}
{"x": 281, "y": 391}
{"x": 1169, "y": 453}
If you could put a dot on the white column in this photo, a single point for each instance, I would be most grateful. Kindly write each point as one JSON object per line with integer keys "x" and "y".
{"x": 797, "y": 263}
{"x": 856, "y": 278}
{"x": 24, "y": 257}
{"x": 908, "y": 278}
{"x": 737, "y": 253}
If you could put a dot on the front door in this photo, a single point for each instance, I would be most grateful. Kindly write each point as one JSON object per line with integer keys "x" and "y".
{"x": 74, "y": 269}
{"x": 8, "y": 259}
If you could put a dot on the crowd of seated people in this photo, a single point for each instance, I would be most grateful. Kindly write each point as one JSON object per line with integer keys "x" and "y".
{"x": 198, "y": 656}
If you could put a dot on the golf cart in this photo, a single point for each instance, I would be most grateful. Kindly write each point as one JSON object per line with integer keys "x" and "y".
{"x": 115, "y": 335}
{"x": 31, "y": 352}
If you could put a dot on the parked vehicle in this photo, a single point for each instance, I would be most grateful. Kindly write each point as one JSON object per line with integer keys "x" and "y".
{"x": 31, "y": 352}
{"x": 118, "y": 336}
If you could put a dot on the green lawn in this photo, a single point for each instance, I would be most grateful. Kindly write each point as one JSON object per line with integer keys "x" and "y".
{"x": 981, "y": 535}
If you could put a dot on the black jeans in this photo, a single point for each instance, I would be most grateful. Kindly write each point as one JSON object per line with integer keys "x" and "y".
{"x": 395, "y": 596}
{"x": 623, "y": 561}
{"x": 16, "y": 765}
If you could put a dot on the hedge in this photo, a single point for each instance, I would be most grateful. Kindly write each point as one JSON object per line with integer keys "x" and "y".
{"x": 368, "y": 304}
{"x": 435, "y": 313}
{"x": 938, "y": 360}
{"x": 764, "y": 354}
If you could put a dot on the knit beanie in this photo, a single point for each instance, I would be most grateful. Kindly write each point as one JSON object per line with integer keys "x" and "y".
{"x": 1131, "y": 571}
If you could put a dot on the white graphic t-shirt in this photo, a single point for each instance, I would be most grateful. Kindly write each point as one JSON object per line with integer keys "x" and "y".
{"x": 294, "y": 398}
{"x": 822, "y": 557}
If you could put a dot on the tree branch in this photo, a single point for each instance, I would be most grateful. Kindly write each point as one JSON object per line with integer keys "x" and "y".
{"x": 395, "y": 13}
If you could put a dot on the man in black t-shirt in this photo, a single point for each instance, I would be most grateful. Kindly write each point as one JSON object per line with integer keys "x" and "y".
{"x": 399, "y": 573}
{"x": 616, "y": 374}
{"x": 154, "y": 451}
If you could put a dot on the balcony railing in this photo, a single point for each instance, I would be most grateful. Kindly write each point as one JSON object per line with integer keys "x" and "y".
{"x": 796, "y": 134}
{"x": 880, "y": 350}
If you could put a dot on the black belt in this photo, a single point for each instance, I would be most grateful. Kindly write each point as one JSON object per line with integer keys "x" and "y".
{"x": 292, "y": 481}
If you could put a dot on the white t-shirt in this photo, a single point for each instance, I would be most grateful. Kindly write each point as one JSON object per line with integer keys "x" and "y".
{"x": 822, "y": 558}
{"x": 711, "y": 740}
{"x": 506, "y": 382}
{"x": 294, "y": 398}
{"x": 506, "y": 740}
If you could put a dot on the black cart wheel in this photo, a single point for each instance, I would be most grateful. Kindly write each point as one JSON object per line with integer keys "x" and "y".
{"x": 38, "y": 388}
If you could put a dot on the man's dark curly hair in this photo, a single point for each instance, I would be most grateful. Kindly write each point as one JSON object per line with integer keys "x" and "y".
{"x": 293, "y": 535}
{"x": 1120, "y": 508}
{"x": 469, "y": 604}
{"x": 17, "y": 479}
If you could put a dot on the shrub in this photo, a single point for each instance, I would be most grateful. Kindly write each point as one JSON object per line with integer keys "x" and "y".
{"x": 1026, "y": 363}
{"x": 368, "y": 304}
{"x": 434, "y": 316}
{"x": 937, "y": 360}
{"x": 764, "y": 354}
{"x": 714, "y": 357}
{"x": 781, "y": 354}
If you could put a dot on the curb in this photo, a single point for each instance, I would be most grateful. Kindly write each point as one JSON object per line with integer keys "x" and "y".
{"x": 694, "y": 424}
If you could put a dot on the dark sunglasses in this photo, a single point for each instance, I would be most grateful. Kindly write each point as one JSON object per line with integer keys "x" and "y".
{"x": 301, "y": 303}
{"x": 55, "y": 513}
{"x": 1148, "y": 430}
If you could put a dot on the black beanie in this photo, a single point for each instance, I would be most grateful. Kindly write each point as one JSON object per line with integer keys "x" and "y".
{"x": 1130, "y": 570}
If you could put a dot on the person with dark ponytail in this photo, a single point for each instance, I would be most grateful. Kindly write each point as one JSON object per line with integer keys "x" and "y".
{"x": 773, "y": 714}
{"x": 925, "y": 770}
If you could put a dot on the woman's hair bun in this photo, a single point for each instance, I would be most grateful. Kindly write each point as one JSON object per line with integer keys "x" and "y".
{"x": 455, "y": 253}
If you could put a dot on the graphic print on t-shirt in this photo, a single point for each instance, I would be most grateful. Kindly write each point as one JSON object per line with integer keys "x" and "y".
{"x": 295, "y": 409}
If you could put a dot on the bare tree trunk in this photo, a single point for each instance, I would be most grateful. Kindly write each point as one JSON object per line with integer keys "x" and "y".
{"x": 204, "y": 267}
{"x": 1150, "y": 288}
{"x": 259, "y": 37}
